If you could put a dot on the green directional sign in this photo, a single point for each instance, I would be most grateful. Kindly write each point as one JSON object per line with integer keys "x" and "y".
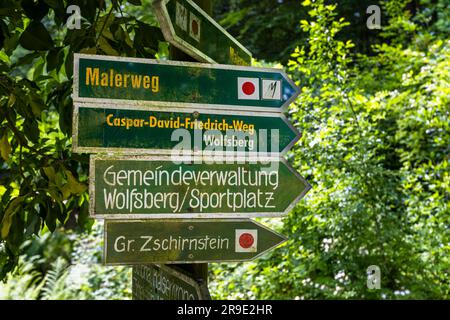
{"x": 192, "y": 187}
{"x": 186, "y": 241}
{"x": 103, "y": 128}
{"x": 180, "y": 84}
{"x": 186, "y": 26}
{"x": 160, "y": 282}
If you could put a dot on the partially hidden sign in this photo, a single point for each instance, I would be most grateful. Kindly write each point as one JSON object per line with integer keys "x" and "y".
{"x": 180, "y": 84}
{"x": 186, "y": 241}
{"x": 160, "y": 282}
{"x": 189, "y": 187}
{"x": 186, "y": 26}
{"x": 138, "y": 129}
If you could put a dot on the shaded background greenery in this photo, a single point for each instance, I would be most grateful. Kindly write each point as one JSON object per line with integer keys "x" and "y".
{"x": 374, "y": 117}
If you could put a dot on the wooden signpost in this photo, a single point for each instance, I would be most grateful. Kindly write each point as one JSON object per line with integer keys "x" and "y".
{"x": 144, "y": 130}
{"x": 134, "y": 114}
{"x": 189, "y": 28}
{"x": 186, "y": 241}
{"x": 160, "y": 282}
{"x": 158, "y": 187}
{"x": 180, "y": 84}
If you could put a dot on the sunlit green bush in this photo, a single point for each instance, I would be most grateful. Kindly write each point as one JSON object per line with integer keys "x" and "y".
{"x": 375, "y": 147}
{"x": 67, "y": 265}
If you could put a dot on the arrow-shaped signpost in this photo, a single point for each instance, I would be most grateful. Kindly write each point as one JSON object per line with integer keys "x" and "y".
{"x": 186, "y": 26}
{"x": 180, "y": 84}
{"x": 141, "y": 110}
{"x": 165, "y": 187}
{"x": 186, "y": 241}
{"x": 139, "y": 129}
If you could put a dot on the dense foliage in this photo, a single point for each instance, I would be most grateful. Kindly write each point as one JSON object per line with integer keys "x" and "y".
{"x": 42, "y": 183}
{"x": 375, "y": 147}
{"x": 374, "y": 117}
{"x": 64, "y": 265}
{"x": 270, "y": 28}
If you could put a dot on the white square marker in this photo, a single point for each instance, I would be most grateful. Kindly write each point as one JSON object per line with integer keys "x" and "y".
{"x": 271, "y": 89}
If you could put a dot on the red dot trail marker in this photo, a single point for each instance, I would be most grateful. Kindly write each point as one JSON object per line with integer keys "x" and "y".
{"x": 246, "y": 240}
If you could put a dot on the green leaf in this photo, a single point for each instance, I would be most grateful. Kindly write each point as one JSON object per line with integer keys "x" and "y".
{"x": 38, "y": 69}
{"x": 31, "y": 130}
{"x": 3, "y": 56}
{"x": 68, "y": 64}
{"x": 12, "y": 100}
{"x": 27, "y": 59}
{"x": 7, "y": 218}
{"x": 149, "y": 36}
{"x": 88, "y": 50}
{"x": 50, "y": 217}
{"x": 306, "y": 3}
{"x": 37, "y": 106}
{"x": 50, "y": 173}
{"x": 33, "y": 225}
{"x": 5, "y": 147}
{"x": 103, "y": 24}
{"x": 72, "y": 186}
{"x": 59, "y": 10}
{"x": 61, "y": 215}
{"x": 10, "y": 43}
{"x": 106, "y": 47}
{"x": 3, "y": 30}
{"x": 36, "y": 37}
{"x": 83, "y": 220}
{"x": 54, "y": 59}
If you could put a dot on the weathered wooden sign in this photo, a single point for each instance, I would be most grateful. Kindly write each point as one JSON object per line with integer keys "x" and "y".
{"x": 186, "y": 26}
{"x": 160, "y": 282}
{"x": 180, "y": 84}
{"x": 189, "y": 187}
{"x": 186, "y": 241}
{"x": 137, "y": 129}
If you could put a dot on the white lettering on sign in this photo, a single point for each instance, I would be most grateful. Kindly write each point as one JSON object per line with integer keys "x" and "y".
{"x": 121, "y": 245}
{"x": 211, "y": 143}
{"x": 219, "y": 140}
{"x": 179, "y": 188}
{"x": 148, "y": 243}
{"x": 181, "y": 18}
{"x": 234, "y": 196}
{"x": 239, "y": 177}
{"x": 234, "y": 200}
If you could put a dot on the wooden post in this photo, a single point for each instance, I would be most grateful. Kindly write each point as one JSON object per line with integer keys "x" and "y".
{"x": 198, "y": 270}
